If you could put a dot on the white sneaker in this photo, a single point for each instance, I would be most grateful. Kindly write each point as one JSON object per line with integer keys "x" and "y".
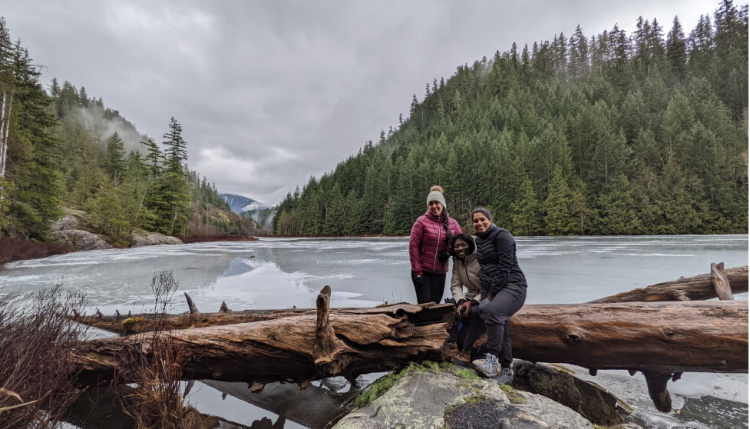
{"x": 487, "y": 367}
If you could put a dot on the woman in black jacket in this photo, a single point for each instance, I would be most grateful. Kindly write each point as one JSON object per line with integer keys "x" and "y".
{"x": 503, "y": 293}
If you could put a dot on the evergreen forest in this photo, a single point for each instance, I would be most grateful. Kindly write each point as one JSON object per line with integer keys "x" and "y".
{"x": 614, "y": 133}
{"x": 58, "y": 151}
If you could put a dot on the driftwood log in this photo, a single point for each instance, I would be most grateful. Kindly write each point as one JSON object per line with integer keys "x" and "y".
{"x": 684, "y": 289}
{"x": 297, "y": 348}
{"x": 721, "y": 282}
{"x": 696, "y": 288}
{"x": 662, "y": 338}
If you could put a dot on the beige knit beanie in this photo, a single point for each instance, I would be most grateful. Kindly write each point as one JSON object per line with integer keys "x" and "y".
{"x": 436, "y": 194}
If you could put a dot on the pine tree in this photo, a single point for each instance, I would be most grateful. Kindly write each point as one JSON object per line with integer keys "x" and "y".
{"x": 617, "y": 209}
{"x": 525, "y": 210}
{"x": 559, "y": 218}
{"x": 154, "y": 158}
{"x": 115, "y": 163}
{"x": 676, "y": 53}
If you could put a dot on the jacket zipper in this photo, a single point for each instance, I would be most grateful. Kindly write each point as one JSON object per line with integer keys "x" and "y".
{"x": 437, "y": 246}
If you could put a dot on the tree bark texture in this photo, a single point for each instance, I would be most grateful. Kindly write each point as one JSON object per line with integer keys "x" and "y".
{"x": 721, "y": 282}
{"x": 297, "y": 348}
{"x": 653, "y": 337}
{"x": 658, "y": 337}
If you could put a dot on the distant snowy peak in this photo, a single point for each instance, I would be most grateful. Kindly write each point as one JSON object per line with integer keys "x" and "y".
{"x": 239, "y": 204}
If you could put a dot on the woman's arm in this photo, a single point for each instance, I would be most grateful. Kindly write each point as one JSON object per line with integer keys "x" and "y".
{"x": 504, "y": 244}
{"x": 415, "y": 241}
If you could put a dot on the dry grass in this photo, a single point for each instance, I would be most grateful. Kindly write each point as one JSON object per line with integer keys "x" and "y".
{"x": 36, "y": 373}
{"x": 157, "y": 401}
{"x": 16, "y": 249}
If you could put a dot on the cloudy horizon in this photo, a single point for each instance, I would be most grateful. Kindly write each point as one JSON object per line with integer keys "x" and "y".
{"x": 271, "y": 93}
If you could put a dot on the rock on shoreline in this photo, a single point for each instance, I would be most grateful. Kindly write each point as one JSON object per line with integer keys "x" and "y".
{"x": 141, "y": 238}
{"x": 425, "y": 399}
{"x": 72, "y": 232}
{"x": 440, "y": 396}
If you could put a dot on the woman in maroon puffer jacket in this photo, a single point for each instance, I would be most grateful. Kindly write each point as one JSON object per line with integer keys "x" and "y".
{"x": 428, "y": 248}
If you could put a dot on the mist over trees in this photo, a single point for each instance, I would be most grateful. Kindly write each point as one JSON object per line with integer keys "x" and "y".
{"x": 65, "y": 148}
{"x": 604, "y": 134}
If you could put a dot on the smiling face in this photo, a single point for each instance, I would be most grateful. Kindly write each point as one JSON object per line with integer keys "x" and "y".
{"x": 435, "y": 208}
{"x": 461, "y": 248}
{"x": 481, "y": 223}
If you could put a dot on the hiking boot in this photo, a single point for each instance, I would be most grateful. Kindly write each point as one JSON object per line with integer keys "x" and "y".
{"x": 462, "y": 359}
{"x": 487, "y": 367}
{"x": 505, "y": 377}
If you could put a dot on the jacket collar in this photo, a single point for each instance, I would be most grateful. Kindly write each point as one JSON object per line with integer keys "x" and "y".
{"x": 432, "y": 217}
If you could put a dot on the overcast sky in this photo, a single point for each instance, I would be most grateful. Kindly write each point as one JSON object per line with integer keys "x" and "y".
{"x": 271, "y": 92}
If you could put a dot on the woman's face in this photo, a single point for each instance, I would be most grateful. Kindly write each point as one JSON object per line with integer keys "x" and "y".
{"x": 461, "y": 249}
{"x": 435, "y": 208}
{"x": 481, "y": 223}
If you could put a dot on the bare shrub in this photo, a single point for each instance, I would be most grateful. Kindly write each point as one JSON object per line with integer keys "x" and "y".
{"x": 157, "y": 400}
{"x": 36, "y": 344}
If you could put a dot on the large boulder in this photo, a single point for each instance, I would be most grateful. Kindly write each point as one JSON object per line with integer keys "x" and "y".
{"x": 590, "y": 400}
{"x": 77, "y": 239}
{"x": 437, "y": 399}
{"x": 140, "y": 238}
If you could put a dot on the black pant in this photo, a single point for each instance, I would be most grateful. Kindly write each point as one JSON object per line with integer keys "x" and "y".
{"x": 496, "y": 314}
{"x": 432, "y": 288}
{"x": 473, "y": 328}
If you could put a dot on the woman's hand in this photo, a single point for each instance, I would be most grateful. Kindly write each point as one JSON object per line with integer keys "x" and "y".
{"x": 462, "y": 311}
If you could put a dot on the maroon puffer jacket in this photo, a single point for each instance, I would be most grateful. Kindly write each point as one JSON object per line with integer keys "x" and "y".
{"x": 427, "y": 240}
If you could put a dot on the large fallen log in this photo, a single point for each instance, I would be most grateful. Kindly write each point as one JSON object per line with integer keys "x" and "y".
{"x": 658, "y": 337}
{"x": 696, "y": 288}
{"x": 684, "y": 289}
{"x": 297, "y": 348}
{"x": 146, "y": 322}
{"x": 653, "y": 337}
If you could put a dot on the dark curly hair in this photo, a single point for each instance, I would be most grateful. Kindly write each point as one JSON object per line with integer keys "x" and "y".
{"x": 465, "y": 238}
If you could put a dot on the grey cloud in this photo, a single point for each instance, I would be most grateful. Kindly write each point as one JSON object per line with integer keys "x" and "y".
{"x": 271, "y": 92}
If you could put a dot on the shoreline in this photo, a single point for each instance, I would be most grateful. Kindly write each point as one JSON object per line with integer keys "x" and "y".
{"x": 11, "y": 248}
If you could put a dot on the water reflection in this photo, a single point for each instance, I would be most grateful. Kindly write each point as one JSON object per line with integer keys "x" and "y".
{"x": 313, "y": 407}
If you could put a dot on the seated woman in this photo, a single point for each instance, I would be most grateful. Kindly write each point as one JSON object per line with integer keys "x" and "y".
{"x": 466, "y": 274}
{"x": 504, "y": 286}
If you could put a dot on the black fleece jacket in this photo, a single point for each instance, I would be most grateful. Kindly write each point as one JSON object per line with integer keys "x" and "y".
{"x": 496, "y": 253}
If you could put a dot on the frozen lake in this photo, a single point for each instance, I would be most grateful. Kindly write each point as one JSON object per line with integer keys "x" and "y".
{"x": 280, "y": 273}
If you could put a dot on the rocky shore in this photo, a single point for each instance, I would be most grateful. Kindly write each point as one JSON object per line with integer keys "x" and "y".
{"x": 435, "y": 396}
{"x": 74, "y": 230}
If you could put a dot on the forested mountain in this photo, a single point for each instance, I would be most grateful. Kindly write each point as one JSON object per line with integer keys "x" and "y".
{"x": 609, "y": 134}
{"x": 62, "y": 148}
{"x": 240, "y": 204}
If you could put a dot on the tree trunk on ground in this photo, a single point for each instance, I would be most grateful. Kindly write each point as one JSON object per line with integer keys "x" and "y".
{"x": 140, "y": 323}
{"x": 696, "y": 288}
{"x": 654, "y": 337}
{"x": 297, "y": 348}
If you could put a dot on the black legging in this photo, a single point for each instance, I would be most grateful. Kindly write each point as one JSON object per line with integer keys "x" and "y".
{"x": 433, "y": 286}
{"x": 496, "y": 314}
{"x": 473, "y": 328}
